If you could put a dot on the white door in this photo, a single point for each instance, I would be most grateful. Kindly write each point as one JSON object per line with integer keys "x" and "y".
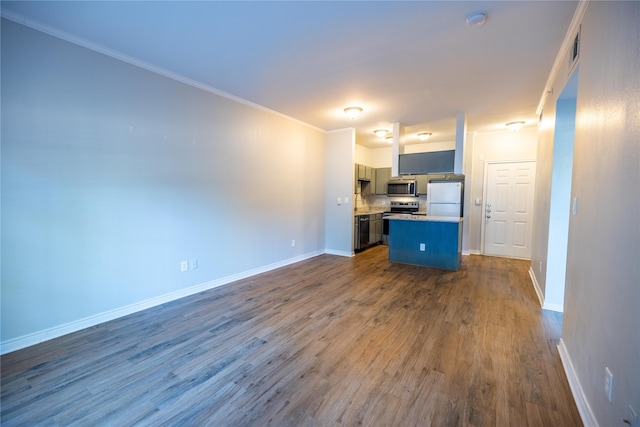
{"x": 509, "y": 209}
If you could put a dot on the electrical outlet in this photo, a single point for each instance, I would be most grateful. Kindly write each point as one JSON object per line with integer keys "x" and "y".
{"x": 540, "y": 267}
{"x": 608, "y": 384}
{"x": 293, "y": 243}
{"x": 422, "y": 247}
{"x": 193, "y": 264}
{"x": 184, "y": 266}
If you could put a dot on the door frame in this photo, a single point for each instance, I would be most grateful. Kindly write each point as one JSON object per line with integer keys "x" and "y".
{"x": 485, "y": 166}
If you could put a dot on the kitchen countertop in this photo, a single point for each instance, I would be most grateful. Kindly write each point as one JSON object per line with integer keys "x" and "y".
{"x": 369, "y": 212}
{"x": 419, "y": 217}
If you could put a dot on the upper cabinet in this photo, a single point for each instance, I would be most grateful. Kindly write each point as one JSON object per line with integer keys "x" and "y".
{"x": 364, "y": 172}
{"x": 427, "y": 163}
{"x": 366, "y": 176}
{"x": 383, "y": 175}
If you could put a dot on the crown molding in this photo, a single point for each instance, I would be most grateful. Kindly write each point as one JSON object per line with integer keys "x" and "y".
{"x": 54, "y": 32}
{"x": 564, "y": 47}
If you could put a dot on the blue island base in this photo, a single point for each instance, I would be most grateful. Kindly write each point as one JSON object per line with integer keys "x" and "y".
{"x": 427, "y": 243}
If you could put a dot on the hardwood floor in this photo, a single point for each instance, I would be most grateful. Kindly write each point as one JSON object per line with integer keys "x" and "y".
{"x": 330, "y": 341}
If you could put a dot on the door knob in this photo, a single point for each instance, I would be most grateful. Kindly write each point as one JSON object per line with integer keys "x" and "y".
{"x": 488, "y": 216}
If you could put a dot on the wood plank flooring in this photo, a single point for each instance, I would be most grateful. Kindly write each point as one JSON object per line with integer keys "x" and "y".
{"x": 330, "y": 341}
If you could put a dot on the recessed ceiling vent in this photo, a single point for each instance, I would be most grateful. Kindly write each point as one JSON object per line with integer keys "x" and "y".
{"x": 575, "y": 50}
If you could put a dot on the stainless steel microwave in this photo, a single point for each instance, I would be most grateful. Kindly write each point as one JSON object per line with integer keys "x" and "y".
{"x": 402, "y": 187}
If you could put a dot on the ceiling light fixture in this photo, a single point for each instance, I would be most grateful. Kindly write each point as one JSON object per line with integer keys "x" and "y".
{"x": 423, "y": 136}
{"x": 352, "y": 112}
{"x": 389, "y": 139}
{"x": 477, "y": 19}
{"x": 381, "y": 133}
{"x": 514, "y": 126}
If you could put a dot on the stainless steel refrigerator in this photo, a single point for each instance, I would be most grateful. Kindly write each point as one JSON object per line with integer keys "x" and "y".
{"x": 444, "y": 199}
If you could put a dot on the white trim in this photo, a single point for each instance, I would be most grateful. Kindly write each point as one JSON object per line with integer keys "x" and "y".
{"x": 588, "y": 418}
{"x": 559, "y": 63}
{"x": 77, "y": 325}
{"x": 472, "y": 252}
{"x": 536, "y": 286}
{"x": 340, "y": 253}
{"x": 545, "y": 305}
{"x": 47, "y": 29}
{"x": 553, "y": 307}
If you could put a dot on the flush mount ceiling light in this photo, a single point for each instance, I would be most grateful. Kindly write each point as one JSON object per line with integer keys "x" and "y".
{"x": 423, "y": 136}
{"x": 381, "y": 133}
{"x": 389, "y": 139}
{"x": 477, "y": 19}
{"x": 514, "y": 126}
{"x": 352, "y": 112}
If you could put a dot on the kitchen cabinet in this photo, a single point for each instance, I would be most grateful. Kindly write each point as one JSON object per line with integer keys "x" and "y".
{"x": 425, "y": 163}
{"x": 422, "y": 183}
{"x": 363, "y": 172}
{"x": 367, "y": 172}
{"x": 367, "y": 178}
{"x": 375, "y": 228}
{"x": 383, "y": 175}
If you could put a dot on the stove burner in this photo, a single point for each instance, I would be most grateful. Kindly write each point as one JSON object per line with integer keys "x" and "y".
{"x": 403, "y": 207}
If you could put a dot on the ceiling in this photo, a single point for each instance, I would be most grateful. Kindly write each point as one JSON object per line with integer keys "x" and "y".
{"x": 414, "y": 62}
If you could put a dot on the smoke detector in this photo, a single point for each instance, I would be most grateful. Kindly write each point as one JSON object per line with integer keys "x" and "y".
{"x": 477, "y": 19}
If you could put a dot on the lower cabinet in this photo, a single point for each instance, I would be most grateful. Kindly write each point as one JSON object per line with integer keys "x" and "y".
{"x": 375, "y": 228}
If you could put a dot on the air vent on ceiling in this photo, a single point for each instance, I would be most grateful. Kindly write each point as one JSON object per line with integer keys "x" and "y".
{"x": 575, "y": 50}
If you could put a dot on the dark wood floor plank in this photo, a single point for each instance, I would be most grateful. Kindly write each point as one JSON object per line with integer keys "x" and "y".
{"x": 329, "y": 341}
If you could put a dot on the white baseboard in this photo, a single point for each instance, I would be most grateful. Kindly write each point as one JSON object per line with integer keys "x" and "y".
{"x": 472, "y": 252}
{"x": 77, "y": 325}
{"x": 545, "y": 305}
{"x": 340, "y": 253}
{"x": 553, "y": 307}
{"x": 536, "y": 286}
{"x": 588, "y": 418}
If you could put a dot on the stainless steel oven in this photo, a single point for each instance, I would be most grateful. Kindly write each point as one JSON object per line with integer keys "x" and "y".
{"x": 397, "y": 208}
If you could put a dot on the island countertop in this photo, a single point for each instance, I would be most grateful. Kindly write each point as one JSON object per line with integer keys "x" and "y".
{"x": 429, "y": 218}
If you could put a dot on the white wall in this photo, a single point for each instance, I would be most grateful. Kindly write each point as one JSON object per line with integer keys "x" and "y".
{"x": 427, "y": 147}
{"x": 363, "y": 155}
{"x": 339, "y": 151}
{"x": 492, "y": 147}
{"x": 112, "y": 175}
{"x": 601, "y": 325}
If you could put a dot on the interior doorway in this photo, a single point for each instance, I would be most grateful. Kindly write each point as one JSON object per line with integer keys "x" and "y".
{"x": 508, "y": 221}
{"x": 560, "y": 201}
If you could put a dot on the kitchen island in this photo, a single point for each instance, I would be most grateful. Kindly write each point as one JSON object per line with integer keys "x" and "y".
{"x": 430, "y": 241}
